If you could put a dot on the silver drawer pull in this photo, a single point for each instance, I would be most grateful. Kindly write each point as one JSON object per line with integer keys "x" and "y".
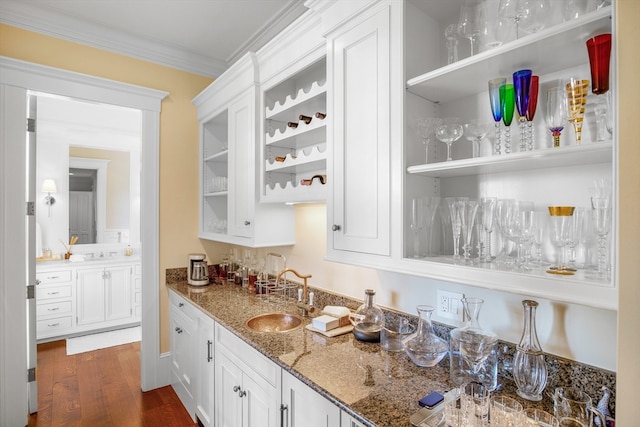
{"x": 53, "y": 277}
{"x": 53, "y": 309}
{"x": 179, "y": 330}
{"x": 53, "y": 293}
{"x": 180, "y": 304}
{"x": 51, "y": 325}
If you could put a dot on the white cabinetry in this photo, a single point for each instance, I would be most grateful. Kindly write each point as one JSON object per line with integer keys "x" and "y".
{"x": 137, "y": 292}
{"x": 304, "y": 407}
{"x": 205, "y": 368}
{"x": 104, "y": 294}
{"x": 229, "y": 208}
{"x": 347, "y": 420}
{"x": 183, "y": 350}
{"x": 365, "y": 76}
{"x": 247, "y": 384}
{"x": 294, "y": 90}
{"x": 54, "y": 302}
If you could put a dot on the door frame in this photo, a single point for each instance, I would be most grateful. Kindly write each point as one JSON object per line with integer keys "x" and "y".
{"x": 26, "y": 76}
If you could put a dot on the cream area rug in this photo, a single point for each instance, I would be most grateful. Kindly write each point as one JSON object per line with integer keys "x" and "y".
{"x": 103, "y": 340}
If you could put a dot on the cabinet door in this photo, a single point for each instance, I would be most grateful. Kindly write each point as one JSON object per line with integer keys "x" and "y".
{"x": 90, "y": 302}
{"x": 359, "y": 64}
{"x": 118, "y": 292}
{"x": 183, "y": 365}
{"x": 348, "y": 421}
{"x": 228, "y": 404}
{"x": 305, "y": 407}
{"x": 204, "y": 355}
{"x": 260, "y": 404}
{"x": 242, "y": 131}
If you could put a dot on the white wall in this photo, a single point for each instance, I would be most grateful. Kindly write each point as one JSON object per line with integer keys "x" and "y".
{"x": 580, "y": 333}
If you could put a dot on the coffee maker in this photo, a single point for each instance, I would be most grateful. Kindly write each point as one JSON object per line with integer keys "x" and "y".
{"x": 198, "y": 272}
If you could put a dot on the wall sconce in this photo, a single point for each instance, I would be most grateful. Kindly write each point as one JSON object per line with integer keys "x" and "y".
{"x": 49, "y": 186}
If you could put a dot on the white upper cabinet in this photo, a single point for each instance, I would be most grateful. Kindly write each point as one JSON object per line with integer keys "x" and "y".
{"x": 229, "y": 208}
{"x": 293, "y": 148}
{"x": 365, "y": 76}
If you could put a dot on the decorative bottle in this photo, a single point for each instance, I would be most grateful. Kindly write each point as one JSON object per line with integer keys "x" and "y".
{"x": 472, "y": 350}
{"x": 369, "y": 319}
{"x": 529, "y": 367}
{"x": 425, "y": 348}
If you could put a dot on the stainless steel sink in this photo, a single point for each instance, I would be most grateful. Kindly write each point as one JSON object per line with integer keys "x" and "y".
{"x": 274, "y": 322}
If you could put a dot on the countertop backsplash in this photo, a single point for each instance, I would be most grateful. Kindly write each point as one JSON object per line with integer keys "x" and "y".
{"x": 562, "y": 372}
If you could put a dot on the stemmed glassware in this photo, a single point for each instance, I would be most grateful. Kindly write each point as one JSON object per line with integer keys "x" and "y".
{"x": 518, "y": 227}
{"x": 539, "y": 225}
{"x": 560, "y": 218}
{"x": 556, "y": 113}
{"x": 576, "y": 101}
{"x": 468, "y": 211}
{"x": 507, "y": 104}
{"x": 531, "y": 110}
{"x": 527, "y": 15}
{"x": 573, "y": 237}
{"x": 602, "y": 226}
{"x": 431, "y": 205}
{"x": 449, "y": 133}
{"x": 454, "y": 204}
{"x": 426, "y": 131}
{"x": 486, "y": 218}
{"x": 472, "y": 16}
{"x": 522, "y": 85}
{"x": 417, "y": 223}
{"x": 599, "y": 49}
{"x": 450, "y": 33}
{"x": 475, "y": 131}
{"x": 496, "y": 109}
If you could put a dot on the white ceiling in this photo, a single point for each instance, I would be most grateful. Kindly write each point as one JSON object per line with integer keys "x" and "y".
{"x": 201, "y": 36}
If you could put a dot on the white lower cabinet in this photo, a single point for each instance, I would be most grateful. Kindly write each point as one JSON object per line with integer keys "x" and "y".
{"x": 205, "y": 370}
{"x": 304, "y": 407}
{"x": 247, "y": 384}
{"x": 104, "y": 294}
{"x": 348, "y": 421}
{"x": 183, "y": 344}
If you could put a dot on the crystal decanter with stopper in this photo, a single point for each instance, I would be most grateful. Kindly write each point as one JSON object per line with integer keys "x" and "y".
{"x": 472, "y": 350}
{"x": 529, "y": 367}
{"x": 424, "y": 348}
{"x": 369, "y": 319}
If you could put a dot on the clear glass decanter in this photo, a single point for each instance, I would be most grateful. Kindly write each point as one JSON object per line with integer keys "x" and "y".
{"x": 472, "y": 350}
{"x": 369, "y": 319}
{"x": 529, "y": 367}
{"x": 424, "y": 348}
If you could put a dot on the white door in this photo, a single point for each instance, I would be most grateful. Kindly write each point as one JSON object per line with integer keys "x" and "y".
{"x": 261, "y": 405}
{"x": 228, "y": 404}
{"x": 305, "y": 407}
{"x": 13, "y": 257}
{"x": 90, "y": 296}
{"x": 118, "y": 292}
{"x": 81, "y": 218}
{"x": 205, "y": 383}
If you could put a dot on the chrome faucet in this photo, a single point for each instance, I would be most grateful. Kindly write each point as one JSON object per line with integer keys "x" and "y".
{"x": 305, "y": 305}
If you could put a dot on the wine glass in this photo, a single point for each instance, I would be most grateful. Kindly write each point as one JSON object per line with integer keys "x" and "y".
{"x": 560, "y": 218}
{"x": 517, "y": 226}
{"x": 456, "y": 222}
{"x": 574, "y": 9}
{"x": 574, "y": 235}
{"x": 472, "y": 15}
{"x": 576, "y": 101}
{"x": 522, "y": 85}
{"x": 449, "y": 133}
{"x": 531, "y": 110}
{"x": 475, "y": 131}
{"x": 501, "y": 211}
{"x": 556, "y": 113}
{"x": 450, "y": 33}
{"x": 602, "y": 226}
{"x": 426, "y": 131}
{"x": 486, "y": 217}
{"x": 539, "y": 226}
{"x": 417, "y": 224}
{"x": 507, "y": 104}
{"x": 496, "y": 109}
{"x": 468, "y": 210}
{"x": 528, "y": 15}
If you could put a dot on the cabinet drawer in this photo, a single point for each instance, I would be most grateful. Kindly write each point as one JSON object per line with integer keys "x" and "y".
{"x": 53, "y": 308}
{"x": 50, "y": 325}
{"x": 240, "y": 350}
{"x": 51, "y": 292}
{"x": 182, "y": 305}
{"x": 50, "y": 277}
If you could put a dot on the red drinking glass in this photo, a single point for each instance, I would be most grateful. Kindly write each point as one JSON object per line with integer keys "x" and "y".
{"x": 599, "y": 48}
{"x": 533, "y": 98}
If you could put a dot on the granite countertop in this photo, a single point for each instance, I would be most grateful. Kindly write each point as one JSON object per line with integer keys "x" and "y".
{"x": 377, "y": 387}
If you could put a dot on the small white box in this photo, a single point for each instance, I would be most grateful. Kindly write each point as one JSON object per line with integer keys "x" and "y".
{"x": 325, "y": 322}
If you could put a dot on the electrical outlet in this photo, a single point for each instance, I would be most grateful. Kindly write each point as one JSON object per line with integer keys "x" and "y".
{"x": 450, "y": 305}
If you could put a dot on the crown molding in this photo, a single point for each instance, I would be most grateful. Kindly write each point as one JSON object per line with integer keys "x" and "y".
{"x": 30, "y": 17}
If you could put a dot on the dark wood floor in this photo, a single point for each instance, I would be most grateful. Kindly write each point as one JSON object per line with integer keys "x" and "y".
{"x": 100, "y": 388}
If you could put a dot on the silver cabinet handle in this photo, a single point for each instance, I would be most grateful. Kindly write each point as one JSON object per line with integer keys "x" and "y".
{"x": 209, "y": 353}
{"x": 53, "y": 293}
{"x": 180, "y": 304}
{"x": 53, "y": 324}
{"x": 335, "y": 227}
{"x": 240, "y": 391}
{"x": 38, "y": 282}
{"x": 53, "y": 309}
{"x": 179, "y": 330}
{"x": 53, "y": 277}
{"x": 247, "y": 223}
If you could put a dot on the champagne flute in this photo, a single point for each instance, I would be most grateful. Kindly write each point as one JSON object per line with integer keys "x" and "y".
{"x": 488, "y": 205}
{"x": 472, "y": 15}
{"x": 599, "y": 49}
{"x": 556, "y": 113}
{"x": 602, "y": 227}
{"x": 496, "y": 109}
{"x": 449, "y": 133}
{"x": 417, "y": 224}
{"x": 507, "y": 104}
{"x": 576, "y": 101}
{"x": 454, "y": 204}
{"x": 450, "y": 33}
{"x": 522, "y": 85}
{"x": 531, "y": 109}
{"x": 468, "y": 210}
